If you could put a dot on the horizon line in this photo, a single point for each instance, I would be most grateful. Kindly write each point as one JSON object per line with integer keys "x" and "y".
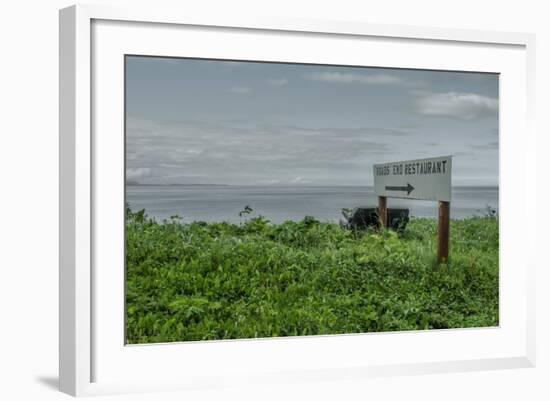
{"x": 137, "y": 184}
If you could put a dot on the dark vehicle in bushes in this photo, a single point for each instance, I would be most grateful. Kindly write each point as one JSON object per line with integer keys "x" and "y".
{"x": 360, "y": 218}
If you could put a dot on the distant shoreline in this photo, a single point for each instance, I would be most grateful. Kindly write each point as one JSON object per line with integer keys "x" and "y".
{"x": 136, "y": 184}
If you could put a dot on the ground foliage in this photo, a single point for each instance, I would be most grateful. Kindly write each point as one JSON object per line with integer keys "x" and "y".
{"x": 209, "y": 281}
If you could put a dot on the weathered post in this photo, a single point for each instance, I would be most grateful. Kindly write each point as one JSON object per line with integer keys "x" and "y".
{"x": 443, "y": 232}
{"x": 383, "y": 211}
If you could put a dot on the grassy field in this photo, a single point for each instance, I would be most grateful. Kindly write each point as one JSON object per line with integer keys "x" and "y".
{"x": 212, "y": 281}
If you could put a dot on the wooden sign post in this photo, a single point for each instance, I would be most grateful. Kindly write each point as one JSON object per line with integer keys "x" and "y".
{"x": 443, "y": 232}
{"x": 382, "y": 211}
{"x": 427, "y": 179}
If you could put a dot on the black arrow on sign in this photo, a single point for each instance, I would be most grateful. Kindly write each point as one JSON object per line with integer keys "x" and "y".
{"x": 409, "y": 188}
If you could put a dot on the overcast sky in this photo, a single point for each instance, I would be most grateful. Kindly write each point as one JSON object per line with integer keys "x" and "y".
{"x": 243, "y": 123}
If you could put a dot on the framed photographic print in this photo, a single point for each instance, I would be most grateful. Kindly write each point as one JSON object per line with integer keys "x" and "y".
{"x": 270, "y": 200}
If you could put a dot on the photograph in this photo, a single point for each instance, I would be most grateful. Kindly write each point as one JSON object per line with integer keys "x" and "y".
{"x": 275, "y": 199}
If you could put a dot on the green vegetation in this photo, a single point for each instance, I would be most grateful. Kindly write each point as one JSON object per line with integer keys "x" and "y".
{"x": 206, "y": 281}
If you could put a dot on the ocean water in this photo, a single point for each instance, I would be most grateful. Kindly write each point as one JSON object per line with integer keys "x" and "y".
{"x": 279, "y": 203}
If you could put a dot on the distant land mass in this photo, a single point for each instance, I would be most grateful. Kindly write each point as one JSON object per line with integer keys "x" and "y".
{"x": 138, "y": 184}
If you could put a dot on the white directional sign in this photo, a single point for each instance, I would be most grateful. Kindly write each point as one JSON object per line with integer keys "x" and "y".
{"x": 428, "y": 179}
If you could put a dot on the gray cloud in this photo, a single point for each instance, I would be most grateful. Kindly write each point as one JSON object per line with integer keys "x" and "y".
{"x": 136, "y": 173}
{"x": 277, "y": 81}
{"x": 486, "y": 146}
{"x": 240, "y": 90}
{"x": 348, "y": 78}
{"x": 209, "y": 152}
{"x": 462, "y": 106}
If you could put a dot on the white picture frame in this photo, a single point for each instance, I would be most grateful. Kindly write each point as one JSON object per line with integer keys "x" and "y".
{"x": 93, "y": 357}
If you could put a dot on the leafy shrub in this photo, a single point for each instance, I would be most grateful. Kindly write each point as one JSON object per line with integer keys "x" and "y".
{"x": 203, "y": 281}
